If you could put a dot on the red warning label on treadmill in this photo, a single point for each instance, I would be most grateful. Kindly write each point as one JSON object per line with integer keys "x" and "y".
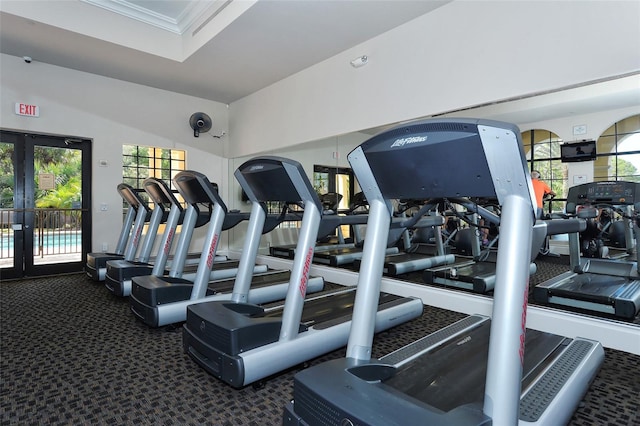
{"x": 523, "y": 323}
{"x": 305, "y": 272}
{"x": 212, "y": 251}
{"x": 167, "y": 245}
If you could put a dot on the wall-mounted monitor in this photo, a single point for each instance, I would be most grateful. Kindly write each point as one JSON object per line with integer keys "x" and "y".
{"x": 578, "y": 151}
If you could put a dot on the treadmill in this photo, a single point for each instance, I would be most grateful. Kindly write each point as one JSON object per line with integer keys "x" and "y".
{"x": 163, "y": 300}
{"x": 138, "y": 213}
{"x": 477, "y": 273}
{"x": 330, "y": 222}
{"x": 598, "y": 285}
{"x": 168, "y": 211}
{"x": 339, "y": 256}
{"x": 617, "y": 235}
{"x": 419, "y": 253}
{"x": 242, "y": 343}
{"x": 475, "y": 371}
{"x": 346, "y": 255}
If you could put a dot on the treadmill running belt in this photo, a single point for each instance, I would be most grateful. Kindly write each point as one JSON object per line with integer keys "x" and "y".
{"x": 334, "y": 309}
{"x": 443, "y": 379}
{"x": 469, "y": 272}
{"x": 592, "y": 287}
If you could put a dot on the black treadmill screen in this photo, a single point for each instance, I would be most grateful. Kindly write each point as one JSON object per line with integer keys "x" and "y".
{"x": 422, "y": 163}
{"x": 196, "y": 188}
{"x": 154, "y": 188}
{"x": 270, "y": 182}
{"x": 129, "y": 195}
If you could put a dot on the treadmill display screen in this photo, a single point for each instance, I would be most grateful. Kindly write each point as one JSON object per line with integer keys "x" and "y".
{"x": 155, "y": 192}
{"x": 278, "y": 179}
{"x": 196, "y": 188}
{"x": 612, "y": 192}
{"x": 129, "y": 195}
{"x": 272, "y": 183}
{"x": 416, "y": 163}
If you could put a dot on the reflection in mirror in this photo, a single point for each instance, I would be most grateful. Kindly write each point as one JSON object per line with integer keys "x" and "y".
{"x": 327, "y": 155}
{"x": 594, "y": 112}
{"x": 542, "y": 149}
{"x": 619, "y": 151}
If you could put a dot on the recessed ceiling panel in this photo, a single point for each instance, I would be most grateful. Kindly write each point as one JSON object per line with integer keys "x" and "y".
{"x": 170, "y": 15}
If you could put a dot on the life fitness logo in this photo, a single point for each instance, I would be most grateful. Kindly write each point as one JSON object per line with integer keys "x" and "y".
{"x": 523, "y": 323}
{"x": 167, "y": 245}
{"x": 305, "y": 272}
{"x": 212, "y": 250}
{"x": 408, "y": 141}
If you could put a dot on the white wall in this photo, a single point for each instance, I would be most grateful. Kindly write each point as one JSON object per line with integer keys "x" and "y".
{"x": 463, "y": 54}
{"x": 110, "y": 113}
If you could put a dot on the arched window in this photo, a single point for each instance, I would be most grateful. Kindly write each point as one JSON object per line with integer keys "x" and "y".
{"x": 619, "y": 152}
{"x": 542, "y": 148}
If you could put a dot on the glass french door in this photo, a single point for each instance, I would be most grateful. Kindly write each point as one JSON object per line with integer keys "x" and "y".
{"x": 45, "y": 217}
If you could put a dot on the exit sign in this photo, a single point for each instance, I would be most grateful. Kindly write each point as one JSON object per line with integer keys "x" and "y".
{"x": 27, "y": 110}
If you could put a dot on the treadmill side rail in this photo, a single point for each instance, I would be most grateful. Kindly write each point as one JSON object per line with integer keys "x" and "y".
{"x": 567, "y": 380}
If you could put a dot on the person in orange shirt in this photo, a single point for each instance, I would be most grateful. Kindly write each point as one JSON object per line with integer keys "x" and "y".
{"x": 540, "y": 188}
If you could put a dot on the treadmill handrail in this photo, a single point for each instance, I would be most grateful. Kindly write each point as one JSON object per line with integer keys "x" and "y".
{"x": 414, "y": 219}
{"x": 486, "y": 214}
{"x": 565, "y": 226}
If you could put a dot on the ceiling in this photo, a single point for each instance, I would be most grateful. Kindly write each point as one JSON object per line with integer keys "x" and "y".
{"x": 220, "y": 50}
{"x": 224, "y": 50}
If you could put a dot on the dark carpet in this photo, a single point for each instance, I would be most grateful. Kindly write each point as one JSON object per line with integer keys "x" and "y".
{"x": 72, "y": 353}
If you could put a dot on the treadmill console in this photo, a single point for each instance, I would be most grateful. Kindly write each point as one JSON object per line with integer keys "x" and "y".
{"x": 609, "y": 192}
{"x": 159, "y": 191}
{"x": 415, "y": 161}
{"x": 196, "y": 188}
{"x": 272, "y": 178}
{"x": 131, "y": 196}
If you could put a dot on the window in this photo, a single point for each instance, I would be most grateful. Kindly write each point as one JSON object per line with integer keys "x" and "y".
{"x": 619, "y": 152}
{"x": 618, "y": 157}
{"x": 141, "y": 162}
{"x": 542, "y": 149}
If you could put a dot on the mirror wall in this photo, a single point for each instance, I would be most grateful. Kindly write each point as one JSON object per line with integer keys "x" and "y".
{"x": 571, "y": 114}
